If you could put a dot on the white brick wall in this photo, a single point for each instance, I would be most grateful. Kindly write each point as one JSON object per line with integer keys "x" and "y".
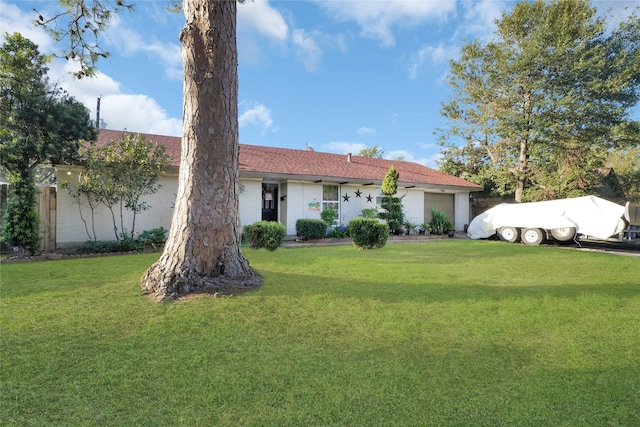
{"x": 70, "y": 228}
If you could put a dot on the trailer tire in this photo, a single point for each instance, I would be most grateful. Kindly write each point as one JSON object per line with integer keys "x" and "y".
{"x": 508, "y": 234}
{"x": 532, "y": 236}
{"x": 563, "y": 234}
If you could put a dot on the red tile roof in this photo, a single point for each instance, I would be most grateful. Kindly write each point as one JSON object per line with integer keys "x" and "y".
{"x": 284, "y": 163}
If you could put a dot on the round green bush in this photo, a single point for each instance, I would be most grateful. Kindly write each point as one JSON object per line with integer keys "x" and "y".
{"x": 264, "y": 234}
{"x": 368, "y": 233}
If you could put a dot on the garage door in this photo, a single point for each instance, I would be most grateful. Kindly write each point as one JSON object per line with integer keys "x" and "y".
{"x": 444, "y": 202}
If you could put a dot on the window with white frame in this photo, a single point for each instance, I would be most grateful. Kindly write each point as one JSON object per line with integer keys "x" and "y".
{"x": 330, "y": 199}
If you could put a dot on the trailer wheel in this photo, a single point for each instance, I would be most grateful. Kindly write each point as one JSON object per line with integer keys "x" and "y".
{"x": 508, "y": 234}
{"x": 563, "y": 234}
{"x": 532, "y": 236}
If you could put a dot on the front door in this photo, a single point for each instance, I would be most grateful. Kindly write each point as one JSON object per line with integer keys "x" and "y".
{"x": 269, "y": 202}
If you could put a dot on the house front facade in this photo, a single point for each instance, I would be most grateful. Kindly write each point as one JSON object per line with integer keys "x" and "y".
{"x": 278, "y": 184}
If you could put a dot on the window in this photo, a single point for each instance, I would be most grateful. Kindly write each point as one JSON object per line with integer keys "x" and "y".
{"x": 330, "y": 198}
{"x": 379, "y": 196}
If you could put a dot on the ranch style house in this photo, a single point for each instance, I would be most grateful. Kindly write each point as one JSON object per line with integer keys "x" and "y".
{"x": 278, "y": 184}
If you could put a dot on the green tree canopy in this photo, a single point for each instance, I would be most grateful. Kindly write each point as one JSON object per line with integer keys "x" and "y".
{"x": 119, "y": 175}
{"x": 39, "y": 124}
{"x": 626, "y": 167}
{"x": 372, "y": 152}
{"x": 535, "y": 111}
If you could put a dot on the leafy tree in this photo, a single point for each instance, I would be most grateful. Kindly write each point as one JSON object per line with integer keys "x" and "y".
{"x": 535, "y": 111}
{"x": 626, "y": 166}
{"x": 202, "y": 253}
{"x": 391, "y": 204}
{"x": 372, "y": 152}
{"x": 39, "y": 124}
{"x": 119, "y": 175}
{"x": 133, "y": 166}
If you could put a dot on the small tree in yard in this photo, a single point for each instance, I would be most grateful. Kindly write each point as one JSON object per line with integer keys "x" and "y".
{"x": 39, "y": 124}
{"x": 119, "y": 175}
{"x": 391, "y": 204}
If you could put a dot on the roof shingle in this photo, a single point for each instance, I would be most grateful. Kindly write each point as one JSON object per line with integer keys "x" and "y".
{"x": 299, "y": 164}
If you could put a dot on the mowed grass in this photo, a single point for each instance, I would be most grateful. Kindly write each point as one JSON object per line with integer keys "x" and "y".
{"x": 449, "y": 332}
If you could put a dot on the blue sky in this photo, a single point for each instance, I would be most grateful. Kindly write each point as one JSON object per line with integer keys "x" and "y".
{"x": 333, "y": 75}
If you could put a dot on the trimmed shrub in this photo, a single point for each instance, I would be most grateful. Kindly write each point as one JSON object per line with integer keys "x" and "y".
{"x": 328, "y": 216}
{"x": 368, "y": 233}
{"x": 392, "y": 212}
{"x": 264, "y": 234}
{"x": 309, "y": 229}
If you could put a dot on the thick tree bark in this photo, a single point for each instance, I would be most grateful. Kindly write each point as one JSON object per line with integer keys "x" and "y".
{"x": 202, "y": 253}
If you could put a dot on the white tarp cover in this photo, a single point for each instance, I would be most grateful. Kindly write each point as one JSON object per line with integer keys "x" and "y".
{"x": 590, "y": 215}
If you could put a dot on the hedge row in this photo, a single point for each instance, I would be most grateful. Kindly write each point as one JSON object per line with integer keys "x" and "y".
{"x": 310, "y": 229}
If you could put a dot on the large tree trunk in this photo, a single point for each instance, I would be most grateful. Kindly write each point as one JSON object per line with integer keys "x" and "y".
{"x": 521, "y": 170}
{"x": 202, "y": 253}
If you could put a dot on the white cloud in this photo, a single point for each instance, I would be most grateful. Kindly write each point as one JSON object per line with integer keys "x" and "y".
{"x": 394, "y": 154}
{"x": 174, "y": 73}
{"x": 343, "y": 147}
{"x": 15, "y": 20}
{"x": 256, "y": 115}
{"x": 308, "y": 48}
{"x": 130, "y": 42}
{"x": 478, "y": 18}
{"x": 365, "y": 130}
{"x": 377, "y": 18}
{"x": 477, "y": 21}
{"x": 259, "y": 15}
{"x": 430, "y": 55}
{"x": 135, "y": 112}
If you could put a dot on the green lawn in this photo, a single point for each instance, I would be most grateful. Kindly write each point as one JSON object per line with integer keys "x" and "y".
{"x": 446, "y": 332}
